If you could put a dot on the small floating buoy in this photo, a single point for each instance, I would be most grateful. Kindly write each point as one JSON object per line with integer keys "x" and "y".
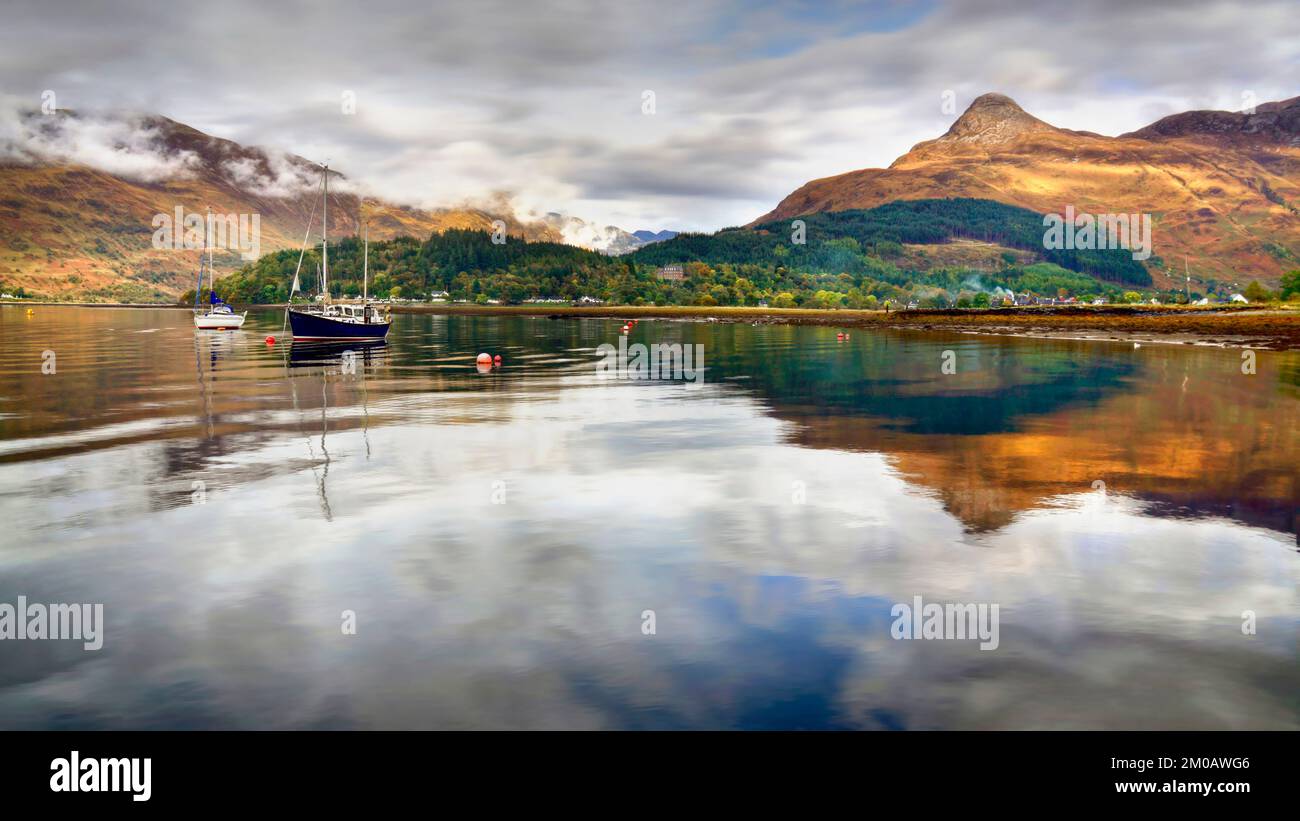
{"x": 496, "y": 360}
{"x": 1137, "y": 344}
{"x": 839, "y": 337}
{"x": 484, "y": 359}
{"x": 270, "y": 340}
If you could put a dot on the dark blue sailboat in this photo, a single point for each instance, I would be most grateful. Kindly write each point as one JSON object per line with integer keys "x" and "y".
{"x": 337, "y": 321}
{"x": 333, "y": 321}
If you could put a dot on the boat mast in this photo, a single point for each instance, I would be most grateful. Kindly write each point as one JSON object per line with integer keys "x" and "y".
{"x": 325, "y": 239}
{"x": 365, "y": 268}
{"x": 198, "y": 287}
{"x": 206, "y": 234}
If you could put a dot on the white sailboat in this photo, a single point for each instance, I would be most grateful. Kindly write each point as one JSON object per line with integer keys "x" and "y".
{"x": 219, "y": 316}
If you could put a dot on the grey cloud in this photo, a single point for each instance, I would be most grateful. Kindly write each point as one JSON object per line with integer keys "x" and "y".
{"x": 754, "y": 98}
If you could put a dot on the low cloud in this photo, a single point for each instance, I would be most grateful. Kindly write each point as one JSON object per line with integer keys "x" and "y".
{"x": 127, "y": 146}
{"x": 277, "y": 176}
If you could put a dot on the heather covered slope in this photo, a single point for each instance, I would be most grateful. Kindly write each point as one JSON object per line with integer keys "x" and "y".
{"x": 68, "y": 230}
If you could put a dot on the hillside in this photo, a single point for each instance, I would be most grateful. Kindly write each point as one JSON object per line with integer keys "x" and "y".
{"x": 71, "y": 230}
{"x": 1223, "y": 188}
{"x": 934, "y": 252}
{"x": 843, "y": 241}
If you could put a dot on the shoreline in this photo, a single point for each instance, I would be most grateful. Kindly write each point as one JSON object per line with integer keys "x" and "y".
{"x": 1228, "y": 326}
{"x": 1269, "y": 327}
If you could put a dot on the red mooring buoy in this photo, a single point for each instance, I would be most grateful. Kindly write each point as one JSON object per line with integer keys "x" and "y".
{"x": 484, "y": 359}
{"x": 496, "y": 360}
{"x": 270, "y": 340}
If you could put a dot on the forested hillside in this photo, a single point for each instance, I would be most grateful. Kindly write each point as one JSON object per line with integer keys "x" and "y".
{"x": 849, "y": 258}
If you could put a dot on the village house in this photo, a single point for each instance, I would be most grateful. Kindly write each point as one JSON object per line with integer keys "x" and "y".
{"x": 673, "y": 273}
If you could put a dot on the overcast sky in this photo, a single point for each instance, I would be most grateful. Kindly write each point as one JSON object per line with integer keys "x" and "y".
{"x": 457, "y": 100}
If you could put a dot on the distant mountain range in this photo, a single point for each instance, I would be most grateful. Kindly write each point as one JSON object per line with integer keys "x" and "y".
{"x": 608, "y": 239}
{"x": 1223, "y": 188}
{"x": 648, "y": 237}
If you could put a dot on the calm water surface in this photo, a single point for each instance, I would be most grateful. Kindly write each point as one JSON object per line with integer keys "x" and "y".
{"x": 500, "y": 535}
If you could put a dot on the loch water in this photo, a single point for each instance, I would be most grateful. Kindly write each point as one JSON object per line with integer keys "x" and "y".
{"x": 295, "y": 536}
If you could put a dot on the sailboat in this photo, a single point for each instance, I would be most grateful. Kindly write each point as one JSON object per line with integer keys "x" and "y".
{"x": 338, "y": 320}
{"x": 219, "y": 316}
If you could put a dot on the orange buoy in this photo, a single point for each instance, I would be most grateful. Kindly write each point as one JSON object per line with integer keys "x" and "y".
{"x": 496, "y": 360}
{"x": 270, "y": 340}
{"x": 484, "y": 359}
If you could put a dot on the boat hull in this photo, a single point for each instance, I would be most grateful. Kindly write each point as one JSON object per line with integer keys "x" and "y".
{"x": 309, "y": 327}
{"x": 219, "y": 322}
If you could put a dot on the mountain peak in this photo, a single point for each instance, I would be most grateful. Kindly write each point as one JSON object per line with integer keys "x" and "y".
{"x": 993, "y": 118}
{"x": 993, "y": 99}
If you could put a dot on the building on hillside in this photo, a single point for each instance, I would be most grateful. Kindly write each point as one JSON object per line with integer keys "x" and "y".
{"x": 673, "y": 273}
